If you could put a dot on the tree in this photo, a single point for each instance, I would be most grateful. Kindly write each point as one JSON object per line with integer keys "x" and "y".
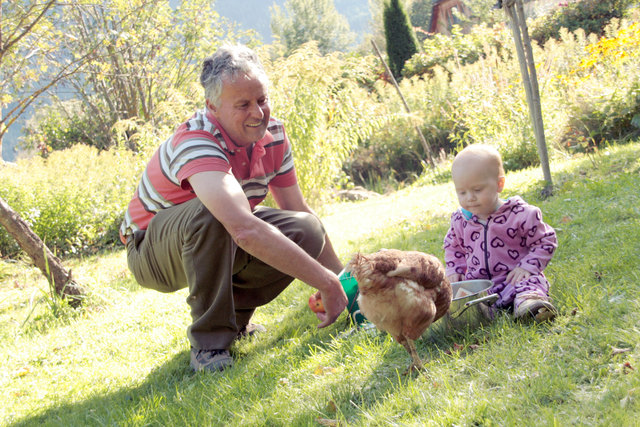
{"x": 140, "y": 53}
{"x": 376, "y": 8}
{"x": 25, "y": 28}
{"x": 30, "y": 59}
{"x": 401, "y": 40}
{"x": 302, "y": 21}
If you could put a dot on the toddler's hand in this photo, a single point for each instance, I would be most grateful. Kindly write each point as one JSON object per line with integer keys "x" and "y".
{"x": 517, "y": 275}
{"x": 455, "y": 277}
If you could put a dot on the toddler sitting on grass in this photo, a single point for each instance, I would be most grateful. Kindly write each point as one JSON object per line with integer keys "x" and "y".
{"x": 504, "y": 241}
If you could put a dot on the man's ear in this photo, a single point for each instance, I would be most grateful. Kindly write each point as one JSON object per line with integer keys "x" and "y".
{"x": 210, "y": 106}
{"x": 500, "y": 184}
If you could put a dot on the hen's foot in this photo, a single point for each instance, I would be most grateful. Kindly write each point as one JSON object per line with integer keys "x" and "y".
{"x": 416, "y": 368}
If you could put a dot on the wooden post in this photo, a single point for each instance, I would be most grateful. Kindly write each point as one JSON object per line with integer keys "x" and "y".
{"x": 425, "y": 145}
{"x": 530, "y": 81}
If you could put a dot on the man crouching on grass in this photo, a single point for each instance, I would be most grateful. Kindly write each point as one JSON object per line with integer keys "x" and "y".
{"x": 195, "y": 220}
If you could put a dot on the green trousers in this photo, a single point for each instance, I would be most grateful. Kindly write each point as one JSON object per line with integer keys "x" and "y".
{"x": 186, "y": 246}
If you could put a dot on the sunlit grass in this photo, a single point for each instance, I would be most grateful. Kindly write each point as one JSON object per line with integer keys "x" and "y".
{"x": 123, "y": 359}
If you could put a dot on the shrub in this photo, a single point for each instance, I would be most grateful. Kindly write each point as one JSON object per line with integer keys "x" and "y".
{"x": 394, "y": 153}
{"x": 325, "y": 115}
{"x": 450, "y": 52}
{"x": 67, "y": 123}
{"x": 74, "y": 200}
{"x": 592, "y": 16}
{"x": 63, "y": 125}
{"x": 602, "y": 90}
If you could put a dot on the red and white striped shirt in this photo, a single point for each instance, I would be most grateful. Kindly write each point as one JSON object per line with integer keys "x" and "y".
{"x": 200, "y": 144}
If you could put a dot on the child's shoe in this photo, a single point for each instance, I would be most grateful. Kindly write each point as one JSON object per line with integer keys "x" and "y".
{"x": 536, "y": 309}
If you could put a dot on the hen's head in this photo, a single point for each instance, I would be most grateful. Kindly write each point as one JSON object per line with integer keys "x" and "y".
{"x": 359, "y": 266}
{"x": 366, "y": 269}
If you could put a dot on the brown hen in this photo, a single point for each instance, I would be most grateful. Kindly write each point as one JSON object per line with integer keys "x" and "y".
{"x": 402, "y": 293}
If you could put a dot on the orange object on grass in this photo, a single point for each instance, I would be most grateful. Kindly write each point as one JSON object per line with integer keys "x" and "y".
{"x": 315, "y": 304}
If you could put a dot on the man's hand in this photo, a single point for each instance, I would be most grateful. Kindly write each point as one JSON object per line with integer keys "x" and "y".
{"x": 335, "y": 301}
{"x": 517, "y": 275}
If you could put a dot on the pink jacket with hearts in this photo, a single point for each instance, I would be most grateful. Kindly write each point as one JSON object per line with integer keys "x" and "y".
{"x": 515, "y": 236}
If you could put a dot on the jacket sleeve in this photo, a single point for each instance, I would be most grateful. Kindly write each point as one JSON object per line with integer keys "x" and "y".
{"x": 541, "y": 240}
{"x": 454, "y": 258}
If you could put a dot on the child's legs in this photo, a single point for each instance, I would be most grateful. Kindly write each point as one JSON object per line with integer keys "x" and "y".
{"x": 535, "y": 286}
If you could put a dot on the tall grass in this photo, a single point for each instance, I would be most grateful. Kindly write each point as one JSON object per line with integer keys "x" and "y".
{"x": 588, "y": 89}
{"x": 74, "y": 200}
{"x": 325, "y": 115}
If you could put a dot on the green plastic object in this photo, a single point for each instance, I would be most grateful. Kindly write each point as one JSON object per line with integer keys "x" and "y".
{"x": 350, "y": 286}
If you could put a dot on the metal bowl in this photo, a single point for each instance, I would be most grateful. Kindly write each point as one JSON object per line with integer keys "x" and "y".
{"x": 470, "y": 305}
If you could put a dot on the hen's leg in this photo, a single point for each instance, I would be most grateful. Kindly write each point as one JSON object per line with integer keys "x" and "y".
{"x": 416, "y": 363}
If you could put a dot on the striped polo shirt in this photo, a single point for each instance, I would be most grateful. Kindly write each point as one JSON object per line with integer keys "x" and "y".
{"x": 199, "y": 145}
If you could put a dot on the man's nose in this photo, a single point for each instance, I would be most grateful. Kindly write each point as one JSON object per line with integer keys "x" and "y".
{"x": 256, "y": 110}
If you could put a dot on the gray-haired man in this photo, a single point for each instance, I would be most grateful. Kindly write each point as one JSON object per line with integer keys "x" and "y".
{"x": 195, "y": 219}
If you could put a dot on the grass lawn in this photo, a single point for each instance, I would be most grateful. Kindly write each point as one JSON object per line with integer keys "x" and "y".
{"x": 123, "y": 359}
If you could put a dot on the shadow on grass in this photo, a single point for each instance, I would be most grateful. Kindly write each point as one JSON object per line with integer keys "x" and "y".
{"x": 173, "y": 395}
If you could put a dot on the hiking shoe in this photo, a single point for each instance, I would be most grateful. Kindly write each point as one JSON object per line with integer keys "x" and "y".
{"x": 535, "y": 309}
{"x": 210, "y": 360}
{"x": 250, "y": 330}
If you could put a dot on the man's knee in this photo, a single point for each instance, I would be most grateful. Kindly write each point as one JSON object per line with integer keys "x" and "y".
{"x": 310, "y": 234}
{"x": 202, "y": 228}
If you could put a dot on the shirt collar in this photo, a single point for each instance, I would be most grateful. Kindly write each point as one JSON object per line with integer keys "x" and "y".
{"x": 468, "y": 215}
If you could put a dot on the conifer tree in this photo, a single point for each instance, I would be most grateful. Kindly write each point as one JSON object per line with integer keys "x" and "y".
{"x": 401, "y": 40}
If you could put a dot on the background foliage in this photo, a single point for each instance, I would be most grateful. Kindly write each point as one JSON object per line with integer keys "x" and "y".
{"x": 592, "y": 16}
{"x": 73, "y": 200}
{"x": 136, "y": 55}
{"x": 326, "y": 114}
{"x": 470, "y": 90}
{"x": 347, "y": 123}
{"x": 302, "y": 21}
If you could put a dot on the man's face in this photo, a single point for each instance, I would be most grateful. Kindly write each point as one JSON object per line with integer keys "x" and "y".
{"x": 243, "y": 110}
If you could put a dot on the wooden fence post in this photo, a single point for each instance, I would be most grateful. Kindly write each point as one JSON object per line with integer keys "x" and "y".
{"x": 530, "y": 81}
{"x": 425, "y": 145}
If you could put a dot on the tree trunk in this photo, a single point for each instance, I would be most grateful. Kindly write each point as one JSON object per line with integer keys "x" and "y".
{"x": 47, "y": 262}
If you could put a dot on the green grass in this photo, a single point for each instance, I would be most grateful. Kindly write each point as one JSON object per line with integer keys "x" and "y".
{"x": 123, "y": 359}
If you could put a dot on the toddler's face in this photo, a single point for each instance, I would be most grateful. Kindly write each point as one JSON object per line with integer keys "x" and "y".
{"x": 478, "y": 190}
